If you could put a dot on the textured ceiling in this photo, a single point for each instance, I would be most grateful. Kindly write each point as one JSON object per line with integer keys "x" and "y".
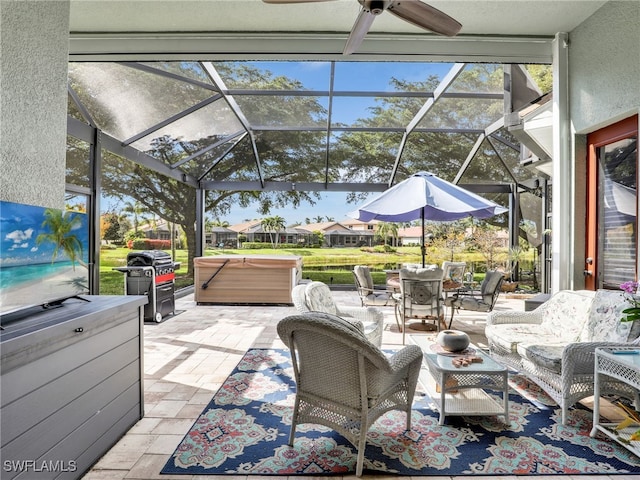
{"x": 478, "y": 17}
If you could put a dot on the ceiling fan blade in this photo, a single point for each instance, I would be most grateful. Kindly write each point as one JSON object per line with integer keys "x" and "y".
{"x": 358, "y": 32}
{"x": 425, "y": 16}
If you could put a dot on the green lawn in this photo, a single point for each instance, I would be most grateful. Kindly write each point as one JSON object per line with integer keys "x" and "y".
{"x": 318, "y": 263}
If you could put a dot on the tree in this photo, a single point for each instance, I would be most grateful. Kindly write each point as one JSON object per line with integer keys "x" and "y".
{"x": 448, "y": 237}
{"x": 488, "y": 243}
{"x": 384, "y": 230}
{"x": 369, "y": 156}
{"x": 220, "y": 223}
{"x": 543, "y": 76}
{"x": 175, "y": 201}
{"x": 441, "y": 153}
{"x": 60, "y": 225}
{"x": 110, "y": 226}
{"x": 358, "y": 155}
{"x": 320, "y": 237}
{"x": 137, "y": 211}
{"x": 273, "y": 225}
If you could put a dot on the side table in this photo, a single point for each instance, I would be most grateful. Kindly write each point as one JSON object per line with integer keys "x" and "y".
{"x": 461, "y": 391}
{"x": 623, "y": 364}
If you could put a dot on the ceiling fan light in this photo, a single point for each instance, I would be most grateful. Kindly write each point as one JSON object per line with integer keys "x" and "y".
{"x": 375, "y": 7}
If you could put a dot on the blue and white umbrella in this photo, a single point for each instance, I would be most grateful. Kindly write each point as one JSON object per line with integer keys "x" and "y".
{"x": 424, "y": 196}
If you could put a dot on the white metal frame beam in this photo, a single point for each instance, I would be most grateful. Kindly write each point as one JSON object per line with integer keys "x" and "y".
{"x": 563, "y": 187}
{"x": 305, "y": 46}
{"x": 440, "y": 89}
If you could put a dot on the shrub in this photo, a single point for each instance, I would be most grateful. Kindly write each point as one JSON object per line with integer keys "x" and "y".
{"x": 384, "y": 249}
{"x": 151, "y": 244}
{"x": 158, "y": 244}
{"x": 268, "y": 245}
{"x": 139, "y": 244}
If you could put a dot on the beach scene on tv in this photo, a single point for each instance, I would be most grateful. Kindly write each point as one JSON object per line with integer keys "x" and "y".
{"x": 43, "y": 255}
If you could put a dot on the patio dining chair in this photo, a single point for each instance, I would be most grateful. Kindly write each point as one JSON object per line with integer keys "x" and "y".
{"x": 479, "y": 301}
{"x": 316, "y": 297}
{"x": 370, "y": 296}
{"x": 452, "y": 276}
{"x": 343, "y": 381}
{"x": 420, "y": 297}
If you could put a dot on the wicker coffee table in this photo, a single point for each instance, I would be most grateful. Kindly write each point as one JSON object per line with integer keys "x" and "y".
{"x": 623, "y": 364}
{"x": 461, "y": 390}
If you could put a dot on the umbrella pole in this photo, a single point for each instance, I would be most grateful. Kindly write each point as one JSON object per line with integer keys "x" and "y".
{"x": 423, "y": 247}
{"x": 423, "y": 326}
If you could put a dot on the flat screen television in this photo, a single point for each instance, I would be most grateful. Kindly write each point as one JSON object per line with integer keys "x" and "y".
{"x": 43, "y": 256}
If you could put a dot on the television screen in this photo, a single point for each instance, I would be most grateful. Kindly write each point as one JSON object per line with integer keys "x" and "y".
{"x": 43, "y": 255}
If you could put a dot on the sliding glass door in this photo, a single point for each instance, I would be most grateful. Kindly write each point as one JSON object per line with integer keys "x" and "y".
{"x": 612, "y": 211}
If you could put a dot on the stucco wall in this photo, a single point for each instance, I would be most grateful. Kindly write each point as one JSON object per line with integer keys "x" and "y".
{"x": 33, "y": 103}
{"x": 604, "y": 66}
{"x": 604, "y": 87}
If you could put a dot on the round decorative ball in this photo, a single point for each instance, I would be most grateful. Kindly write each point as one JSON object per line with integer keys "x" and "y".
{"x": 452, "y": 340}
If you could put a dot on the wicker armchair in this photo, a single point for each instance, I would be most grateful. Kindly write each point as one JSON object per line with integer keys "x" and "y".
{"x": 316, "y": 297}
{"x": 554, "y": 344}
{"x": 370, "y": 296}
{"x": 343, "y": 381}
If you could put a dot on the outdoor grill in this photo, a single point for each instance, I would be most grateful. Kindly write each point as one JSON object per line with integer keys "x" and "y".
{"x": 151, "y": 273}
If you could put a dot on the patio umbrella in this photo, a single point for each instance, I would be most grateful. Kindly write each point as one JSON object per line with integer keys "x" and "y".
{"x": 424, "y": 196}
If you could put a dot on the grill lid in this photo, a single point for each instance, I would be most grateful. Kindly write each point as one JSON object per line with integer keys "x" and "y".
{"x": 149, "y": 258}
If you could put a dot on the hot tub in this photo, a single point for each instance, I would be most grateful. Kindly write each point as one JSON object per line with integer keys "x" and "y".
{"x": 246, "y": 279}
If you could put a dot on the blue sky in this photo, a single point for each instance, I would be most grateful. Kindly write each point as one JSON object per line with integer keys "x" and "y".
{"x": 333, "y": 204}
{"x": 353, "y": 76}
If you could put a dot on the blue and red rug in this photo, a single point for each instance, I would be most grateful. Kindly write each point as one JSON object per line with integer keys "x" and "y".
{"x": 245, "y": 428}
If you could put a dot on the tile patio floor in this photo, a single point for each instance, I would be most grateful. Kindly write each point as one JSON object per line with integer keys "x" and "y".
{"x": 186, "y": 359}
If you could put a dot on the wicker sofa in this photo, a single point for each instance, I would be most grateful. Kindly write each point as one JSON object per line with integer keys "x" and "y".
{"x": 554, "y": 344}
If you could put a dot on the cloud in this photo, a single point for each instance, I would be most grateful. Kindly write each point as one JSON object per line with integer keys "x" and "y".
{"x": 20, "y": 236}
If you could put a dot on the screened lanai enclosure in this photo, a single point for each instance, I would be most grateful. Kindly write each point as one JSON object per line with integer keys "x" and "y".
{"x": 186, "y": 142}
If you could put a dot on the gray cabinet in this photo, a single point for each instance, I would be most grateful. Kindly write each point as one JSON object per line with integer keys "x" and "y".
{"x": 71, "y": 385}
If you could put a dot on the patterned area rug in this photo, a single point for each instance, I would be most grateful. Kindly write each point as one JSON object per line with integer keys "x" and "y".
{"x": 245, "y": 428}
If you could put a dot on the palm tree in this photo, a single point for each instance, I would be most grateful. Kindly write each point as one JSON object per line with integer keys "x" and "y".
{"x": 137, "y": 211}
{"x": 273, "y": 225}
{"x": 60, "y": 225}
{"x": 220, "y": 223}
{"x": 385, "y": 230}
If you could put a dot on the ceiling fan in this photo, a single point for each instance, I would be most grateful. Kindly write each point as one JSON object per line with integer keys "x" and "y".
{"x": 413, "y": 11}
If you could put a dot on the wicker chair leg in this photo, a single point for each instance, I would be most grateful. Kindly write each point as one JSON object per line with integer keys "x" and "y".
{"x": 362, "y": 441}
{"x": 404, "y": 326}
{"x": 565, "y": 413}
{"x": 294, "y": 421}
{"x": 397, "y": 314}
